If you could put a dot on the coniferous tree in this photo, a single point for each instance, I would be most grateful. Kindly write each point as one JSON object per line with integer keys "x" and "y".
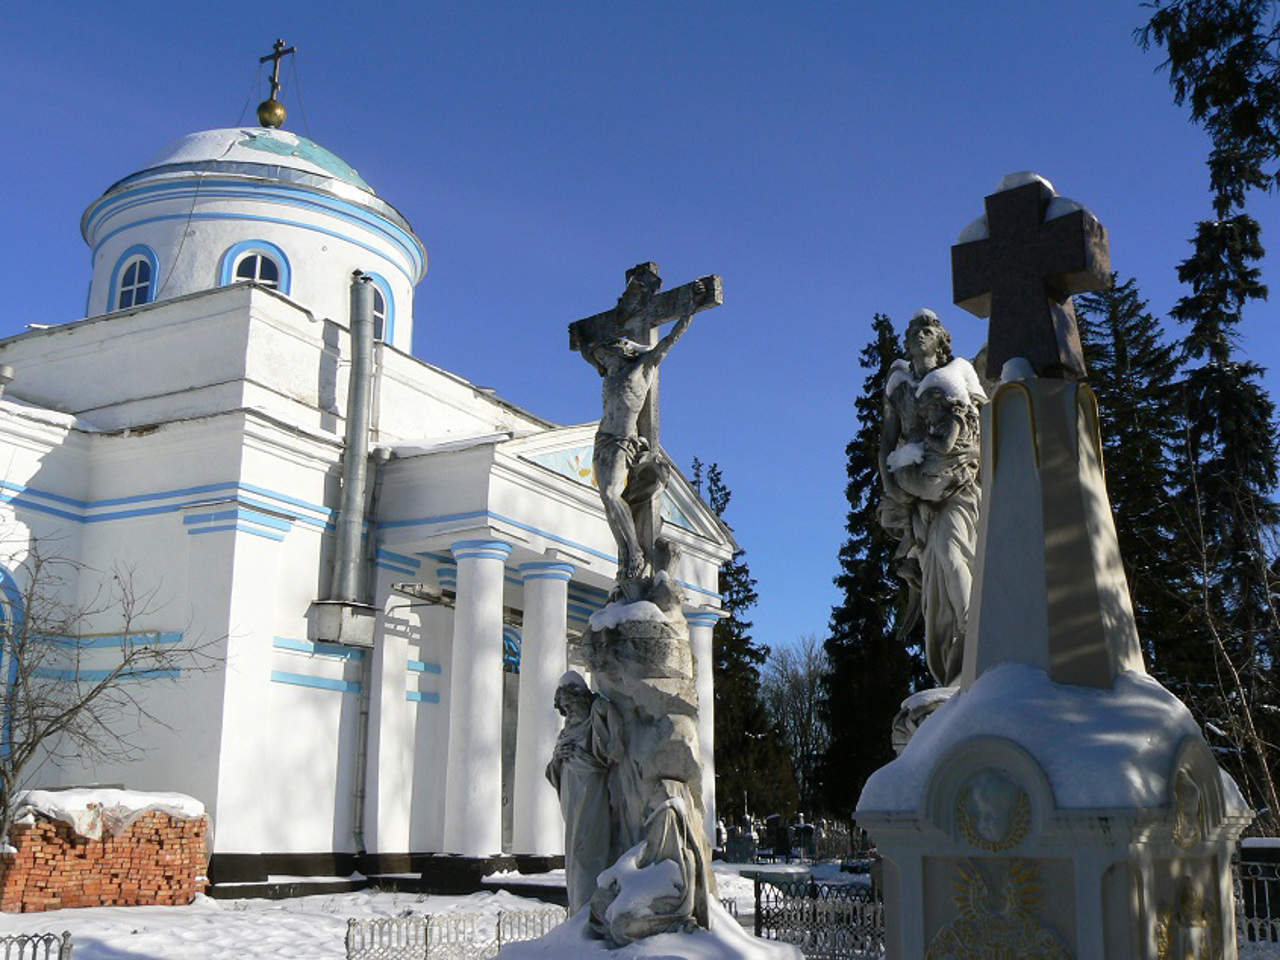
{"x": 1134, "y": 372}
{"x": 871, "y": 669}
{"x": 753, "y": 773}
{"x": 1224, "y": 60}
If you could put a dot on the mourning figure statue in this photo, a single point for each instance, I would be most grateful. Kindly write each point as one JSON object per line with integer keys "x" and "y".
{"x": 581, "y": 779}
{"x": 929, "y": 460}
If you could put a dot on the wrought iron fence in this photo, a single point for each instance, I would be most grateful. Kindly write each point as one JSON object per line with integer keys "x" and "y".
{"x": 446, "y": 936}
{"x": 826, "y": 921}
{"x": 1257, "y": 887}
{"x": 36, "y": 946}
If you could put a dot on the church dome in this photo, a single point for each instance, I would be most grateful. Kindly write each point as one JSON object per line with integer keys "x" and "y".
{"x": 263, "y": 148}
{"x": 251, "y": 203}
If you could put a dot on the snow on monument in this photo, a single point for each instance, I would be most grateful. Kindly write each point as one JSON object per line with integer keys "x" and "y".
{"x": 1062, "y": 803}
{"x": 638, "y": 732}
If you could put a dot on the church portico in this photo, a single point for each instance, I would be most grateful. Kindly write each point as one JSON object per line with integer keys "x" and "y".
{"x": 473, "y": 797}
{"x": 543, "y": 660}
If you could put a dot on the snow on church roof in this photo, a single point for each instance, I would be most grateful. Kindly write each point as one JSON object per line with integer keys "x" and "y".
{"x": 257, "y": 145}
{"x": 260, "y": 153}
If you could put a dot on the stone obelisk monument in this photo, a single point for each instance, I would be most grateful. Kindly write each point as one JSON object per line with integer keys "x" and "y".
{"x": 1063, "y": 803}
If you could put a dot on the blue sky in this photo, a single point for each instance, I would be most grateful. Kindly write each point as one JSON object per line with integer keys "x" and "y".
{"x": 821, "y": 157}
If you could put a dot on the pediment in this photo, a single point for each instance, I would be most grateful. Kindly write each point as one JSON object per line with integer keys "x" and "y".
{"x": 567, "y": 453}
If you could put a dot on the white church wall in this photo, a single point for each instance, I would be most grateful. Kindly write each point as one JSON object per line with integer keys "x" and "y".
{"x": 194, "y": 234}
{"x": 431, "y": 731}
{"x": 407, "y": 388}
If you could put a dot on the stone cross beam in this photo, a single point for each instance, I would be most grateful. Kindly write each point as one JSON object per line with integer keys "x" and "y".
{"x": 1022, "y": 275}
{"x": 639, "y": 314}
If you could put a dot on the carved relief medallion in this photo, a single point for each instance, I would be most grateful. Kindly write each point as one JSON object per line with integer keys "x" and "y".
{"x": 992, "y": 812}
{"x": 999, "y": 922}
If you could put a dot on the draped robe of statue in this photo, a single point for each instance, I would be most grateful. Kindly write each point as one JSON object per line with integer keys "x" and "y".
{"x": 931, "y": 483}
{"x": 582, "y": 780}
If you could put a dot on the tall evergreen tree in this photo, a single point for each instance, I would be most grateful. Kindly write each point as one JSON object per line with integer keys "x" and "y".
{"x": 753, "y": 773}
{"x": 1224, "y": 60}
{"x": 871, "y": 669}
{"x": 1134, "y": 372}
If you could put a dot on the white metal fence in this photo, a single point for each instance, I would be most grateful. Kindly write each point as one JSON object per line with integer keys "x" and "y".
{"x": 36, "y": 946}
{"x": 446, "y": 936}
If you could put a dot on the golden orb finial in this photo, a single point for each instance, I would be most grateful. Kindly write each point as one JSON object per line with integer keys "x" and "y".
{"x": 271, "y": 113}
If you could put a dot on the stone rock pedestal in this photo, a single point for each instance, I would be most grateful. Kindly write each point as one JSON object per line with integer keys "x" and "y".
{"x": 1062, "y": 803}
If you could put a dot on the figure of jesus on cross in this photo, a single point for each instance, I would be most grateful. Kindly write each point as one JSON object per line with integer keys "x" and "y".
{"x": 622, "y": 345}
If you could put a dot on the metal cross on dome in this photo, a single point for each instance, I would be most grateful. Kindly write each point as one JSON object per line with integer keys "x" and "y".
{"x": 1022, "y": 275}
{"x": 278, "y": 53}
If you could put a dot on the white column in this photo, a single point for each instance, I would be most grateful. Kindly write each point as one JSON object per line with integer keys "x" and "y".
{"x": 701, "y": 623}
{"x": 473, "y": 793}
{"x": 538, "y": 826}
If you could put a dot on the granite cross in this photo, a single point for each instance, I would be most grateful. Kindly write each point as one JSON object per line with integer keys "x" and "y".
{"x": 640, "y": 312}
{"x": 1022, "y": 276}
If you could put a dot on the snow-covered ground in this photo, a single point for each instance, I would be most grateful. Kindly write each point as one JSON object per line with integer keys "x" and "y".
{"x": 309, "y": 928}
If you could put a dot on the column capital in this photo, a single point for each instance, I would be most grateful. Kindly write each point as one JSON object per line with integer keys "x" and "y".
{"x": 547, "y": 570}
{"x": 703, "y": 618}
{"x": 481, "y": 550}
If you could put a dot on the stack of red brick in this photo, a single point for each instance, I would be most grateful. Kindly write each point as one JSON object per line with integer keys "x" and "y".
{"x": 157, "y": 860}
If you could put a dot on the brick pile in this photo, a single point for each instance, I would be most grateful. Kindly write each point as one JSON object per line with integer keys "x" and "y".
{"x": 158, "y": 859}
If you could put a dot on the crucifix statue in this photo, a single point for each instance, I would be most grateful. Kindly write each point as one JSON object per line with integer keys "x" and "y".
{"x": 1023, "y": 273}
{"x": 623, "y": 345}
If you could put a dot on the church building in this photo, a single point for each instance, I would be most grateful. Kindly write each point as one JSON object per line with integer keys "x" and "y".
{"x": 391, "y": 565}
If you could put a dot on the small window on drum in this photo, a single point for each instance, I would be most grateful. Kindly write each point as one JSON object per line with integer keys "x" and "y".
{"x": 260, "y": 268}
{"x": 379, "y": 315}
{"x": 135, "y": 283}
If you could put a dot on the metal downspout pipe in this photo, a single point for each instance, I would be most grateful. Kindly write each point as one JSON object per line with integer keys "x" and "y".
{"x": 347, "y": 565}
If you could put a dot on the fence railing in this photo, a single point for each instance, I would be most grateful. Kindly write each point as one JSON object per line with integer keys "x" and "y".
{"x": 36, "y": 946}
{"x": 826, "y": 921}
{"x": 446, "y": 936}
{"x": 1257, "y": 886}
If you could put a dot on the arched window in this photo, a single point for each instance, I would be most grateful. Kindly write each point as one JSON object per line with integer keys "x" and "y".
{"x": 384, "y": 309}
{"x": 258, "y": 260}
{"x": 379, "y": 314}
{"x": 259, "y": 267}
{"x": 135, "y": 283}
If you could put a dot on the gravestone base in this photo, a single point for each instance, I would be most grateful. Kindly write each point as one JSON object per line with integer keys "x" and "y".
{"x": 1036, "y": 819}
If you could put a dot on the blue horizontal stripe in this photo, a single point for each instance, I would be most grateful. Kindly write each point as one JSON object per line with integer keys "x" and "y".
{"x": 192, "y": 217}
{"x": 417, "y": 696}
{"x": 239, "y": 527}
{"x": 21, "y": 495}
{"x": 93, "y": 676}
{"x": 421, "y": 666}
{"x": 285, "y": 194}
{"x": 318, "y": 649}
{"x": 402, "y": 559}
{"x": 17, "y": 488}
{"x": 488, "y": 514}
{"x": 319, "y": 683}
{"x": 101, "y": 641}
{"x": 394, "y": 568}
{"x": 240, "y": 513}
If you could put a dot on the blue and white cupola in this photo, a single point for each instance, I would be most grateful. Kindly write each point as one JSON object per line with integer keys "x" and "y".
{"x": 252, "y": 203}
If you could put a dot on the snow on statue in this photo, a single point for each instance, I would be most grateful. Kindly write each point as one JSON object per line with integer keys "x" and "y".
{"x": 929, "y": 461}
{"x": 657, "y": 894}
